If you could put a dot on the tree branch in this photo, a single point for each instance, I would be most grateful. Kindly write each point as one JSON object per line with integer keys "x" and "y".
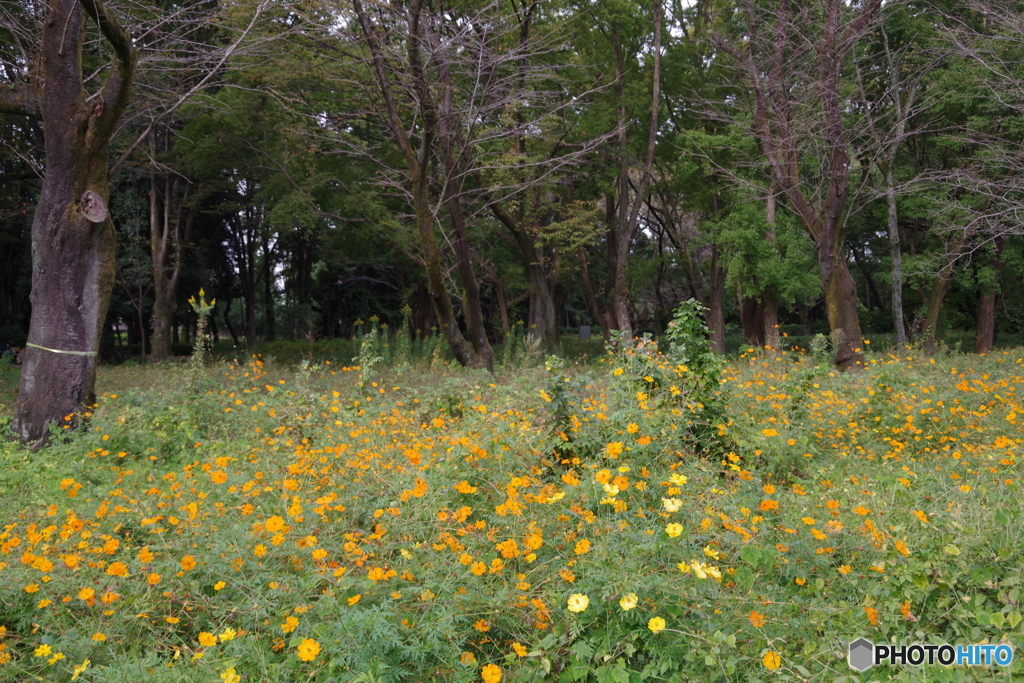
{"x": 116, "y": 91}
{"x": 192, "y": 91}
{"x": 21, "y": 99}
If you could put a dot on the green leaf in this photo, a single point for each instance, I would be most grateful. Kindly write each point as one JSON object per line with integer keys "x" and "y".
{"x": 583, "y": 650}
{"x": 744, "y": 579}
{"x": 751, "y": 555}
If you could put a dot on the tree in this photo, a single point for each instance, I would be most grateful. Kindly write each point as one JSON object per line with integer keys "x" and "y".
{"x": 452, "y": 96}
{"x": 793, "y": 109}
{"x": 987, "y": 35}
{"x": 72, "y": 234}
{"x": 185, "y": 60}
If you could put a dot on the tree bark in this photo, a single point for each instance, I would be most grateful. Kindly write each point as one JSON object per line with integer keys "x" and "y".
{"x": 227, "y": 321}
{"x": 896, "y": 254}
{"x": 716, "y": 303}
{"x": 986, "y": 319}
{"x": 73, "y": 266}
{"x": 588, "y": 286}
{"x": 268, "y": 286}
{"x": 541, "y": 323}
{"x": 935, "y": 298}
{"x": 168, "y": 232}
{"x": 752, "y": 320}
{"x": 769, "y": 297}
{"x": 986, "y": 331}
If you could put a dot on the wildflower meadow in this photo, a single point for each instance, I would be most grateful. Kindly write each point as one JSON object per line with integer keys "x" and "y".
{"x": 656, "y": 514}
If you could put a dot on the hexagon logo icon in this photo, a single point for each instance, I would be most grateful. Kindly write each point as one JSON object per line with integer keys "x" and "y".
{"x": 861, "y": 654}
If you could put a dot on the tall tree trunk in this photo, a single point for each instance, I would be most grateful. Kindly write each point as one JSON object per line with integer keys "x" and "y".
{"x": 752, "y": 320}
{"x": 302, "y": 253}
{"x": 472, "y": 311}
{"x": 588, "y": 286}
{"x": 629, "y": 212}
{"x": 541, "y": 322}
{"x": 895, "y": 253}
{"x": 986, "y": 329}
{"x": 841, "y": 308}
{"x": 269, "y": 312}
{"x": 770, "y": 319}
{"x": 716, "y": 302}
{"x": 142, "y": 328}
{"x": 168, "y": 232}
{"x": 501, "y": 299}
{"x": 612, "y": 260}
{"x": 805, "y": 318}
{"x": 464, "y": 352}
{"x": 769, "y": 297}
{"x": 935, "y": 298}
{"x": 73, "y": 264}
{"x": 422, "y": 311}
{"x": 542, "y": 319}
{"x": 250, "y": 320}
{"x": 227, "y": 321}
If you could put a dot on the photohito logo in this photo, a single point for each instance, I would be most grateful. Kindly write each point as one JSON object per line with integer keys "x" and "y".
{"x": 863, "y": 654}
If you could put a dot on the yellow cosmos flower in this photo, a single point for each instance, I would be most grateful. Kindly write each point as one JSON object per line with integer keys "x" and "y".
{"x": 80, "y": 669}
{"x": 771, "y": 660}
{"x": 674, "y": 529}
{"x": 671, "y": 504}
{"x": 656, "y": 624}
{"x": 628, "y": 601}
{"x": 308, "y": 649}
{"x": 491, "y": 673}
{"x": 578, "y": 602}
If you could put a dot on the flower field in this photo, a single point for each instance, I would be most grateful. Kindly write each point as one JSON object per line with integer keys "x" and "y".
{"x": 650, "y": 517}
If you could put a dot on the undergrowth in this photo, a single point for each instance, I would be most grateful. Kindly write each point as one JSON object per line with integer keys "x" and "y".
{"x": 655, "y": 516}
